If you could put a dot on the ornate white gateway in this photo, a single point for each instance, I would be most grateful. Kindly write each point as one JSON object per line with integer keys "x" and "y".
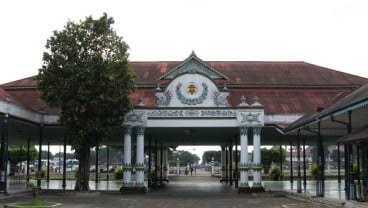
{"x": 193, "y": 99}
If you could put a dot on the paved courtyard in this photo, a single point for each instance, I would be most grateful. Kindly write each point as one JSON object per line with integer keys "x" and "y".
{"x": 181, "y": 192}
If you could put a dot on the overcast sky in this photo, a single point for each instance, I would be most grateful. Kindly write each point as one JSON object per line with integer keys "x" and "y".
{"x": 329, "y": 33}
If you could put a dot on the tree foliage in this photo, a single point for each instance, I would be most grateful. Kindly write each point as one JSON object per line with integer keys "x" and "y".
{"x": 17, "y": 154}
{"x": 334, "y": 155}
{"x": 314, "y": 152}
{"x": 208, "y": 155}
{"x": 115, "y": 155}
{"x": 44, "y": 154}
{"x": 185, "y": 158}
{"x": 86, "y": 74}
{"x": 188, "y": 158}
{"x": 61, "y": 155}
{"x": 269, "y": 156}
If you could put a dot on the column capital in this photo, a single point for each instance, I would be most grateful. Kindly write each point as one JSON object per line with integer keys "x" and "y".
{"x": 140, "y": 130}
{"x": 243, "y": 131}
{"x": 128, "y": 130}
{"x": 257, "y": 131}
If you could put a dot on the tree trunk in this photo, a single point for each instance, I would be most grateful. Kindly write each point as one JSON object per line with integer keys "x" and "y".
{"x": 82, "y": 175}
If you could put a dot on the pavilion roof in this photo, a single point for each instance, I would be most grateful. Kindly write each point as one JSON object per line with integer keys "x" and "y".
{"x": 282, "y": 87}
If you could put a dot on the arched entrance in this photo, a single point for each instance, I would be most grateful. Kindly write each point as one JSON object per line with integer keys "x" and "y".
{"x": 224, "y": 126}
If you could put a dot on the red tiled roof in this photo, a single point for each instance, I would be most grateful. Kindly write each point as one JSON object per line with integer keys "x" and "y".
{"x": 244, "y": 73}
{"x": 30, "y": 99}
{"x": 282, "y": 87}
{"x": 26, "y": 82}
{"x": 257, "y": 73}
{"x": 2, "y": 94}
{"x": 275, "y": 101}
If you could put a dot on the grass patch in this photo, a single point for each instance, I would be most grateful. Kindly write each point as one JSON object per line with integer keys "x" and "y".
{"x": 38, "y": 203}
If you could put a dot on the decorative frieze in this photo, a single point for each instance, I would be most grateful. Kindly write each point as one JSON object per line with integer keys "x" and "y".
{"x": 192, "y": 114}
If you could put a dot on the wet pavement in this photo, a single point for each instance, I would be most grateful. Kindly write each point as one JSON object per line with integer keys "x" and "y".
{"x": 182, "y": 191}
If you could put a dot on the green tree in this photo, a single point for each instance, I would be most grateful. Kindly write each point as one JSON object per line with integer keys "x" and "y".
{"x": 275, "y": 173}
{"x": 17, "y": 154}
{"x": 334, "y": 156}
{"x": 269, "y": 156}
{"x": 314, "y": 170}
{"x": 186, "y": 157}
{"x": 208, "y": 155}
{"x": 44, "y": 155}
{"x": 61, "y": 155}
{"x": 115, "y": 155}
{"x": 314, "y": 152}
{"x": 86, "y": 74}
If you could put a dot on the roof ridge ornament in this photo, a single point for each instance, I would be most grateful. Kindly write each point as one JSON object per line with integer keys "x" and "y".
{"x": 225, "y": 88}
{"x": 193, "y": 54}
{"x": 193, "y": 64}
{"x": 256, "y": 101}
{"x": 243, "y": 101}
{"x": 140, "y": 101}
{"x": 158, "y": 88}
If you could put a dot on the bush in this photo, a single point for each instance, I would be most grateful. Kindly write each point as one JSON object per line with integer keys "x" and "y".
{"x": 275, "y": 173}
{"x": 43, "y": 173}
{"x": 356, "y": 171}
{"x": 314, "y": 170}
{"x": 119, "y": 173}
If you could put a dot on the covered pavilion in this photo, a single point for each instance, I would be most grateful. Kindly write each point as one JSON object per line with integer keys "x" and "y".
{"x": 196, "y": 102}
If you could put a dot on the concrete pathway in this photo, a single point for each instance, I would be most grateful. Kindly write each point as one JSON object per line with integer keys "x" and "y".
{"x": 181, "y": 192}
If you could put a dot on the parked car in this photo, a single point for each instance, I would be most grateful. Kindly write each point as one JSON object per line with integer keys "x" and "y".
{"x": 111, "y": 169}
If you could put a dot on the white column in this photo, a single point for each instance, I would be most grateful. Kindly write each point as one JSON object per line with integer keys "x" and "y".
{"x": 257, "y": 166}
{"x": 139, "y": 166}
{"x": 127, "y": 156}
{"x": 244, "y": 157}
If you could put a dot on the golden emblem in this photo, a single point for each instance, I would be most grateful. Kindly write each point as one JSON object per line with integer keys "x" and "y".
{"x": 192, "y": 88}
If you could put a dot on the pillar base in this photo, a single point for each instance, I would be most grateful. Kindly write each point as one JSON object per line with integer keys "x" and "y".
{"x": 224, "y": 180}
{"x": 133, "y": 190}
{"x": 258, "y": 189}
{"x": 244, "y": 189}
{"x": 166, "y": 180}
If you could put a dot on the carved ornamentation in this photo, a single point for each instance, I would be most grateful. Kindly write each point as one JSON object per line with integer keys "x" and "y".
{"x": 140, "y": 131}
{"x": 219, "y": 98}
{"x": 243, "y": 131}
{"x": 257, "y": 131}
{"x": 163, "y": 98}
{"x": 192, "y": 101}
{"x": 192, "y": 113}
{"x": 218, "y": 113}
{"x": 166, "y": 113}
{"x": 134, "y": 118}
{"x": 250, "y": 118}
{"x": 194, "y": 66}
{"x": 127, "y": 130}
